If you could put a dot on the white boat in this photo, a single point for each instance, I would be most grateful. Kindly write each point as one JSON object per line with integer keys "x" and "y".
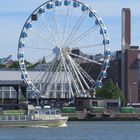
{"x": 35, "y": 118}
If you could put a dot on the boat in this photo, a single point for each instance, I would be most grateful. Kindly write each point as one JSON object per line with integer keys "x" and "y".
{"x": 35, "y": 117}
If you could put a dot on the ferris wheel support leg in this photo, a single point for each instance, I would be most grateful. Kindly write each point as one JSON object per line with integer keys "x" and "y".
{"x": 75, "y": 85}
{"x": 69, "y": 81}
{"x": 76, "y": 74}
{"x": 74, "y": 63}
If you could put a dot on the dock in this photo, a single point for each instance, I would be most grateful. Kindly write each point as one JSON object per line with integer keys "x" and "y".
{"x": 115, "y": 116}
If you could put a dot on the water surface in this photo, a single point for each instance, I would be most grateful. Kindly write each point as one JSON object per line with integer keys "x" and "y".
{"x": 117, "y": 130}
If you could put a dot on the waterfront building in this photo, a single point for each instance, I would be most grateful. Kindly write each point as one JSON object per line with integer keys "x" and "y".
{"x": 125, "y": 68}
{"x": 13, "y": 86}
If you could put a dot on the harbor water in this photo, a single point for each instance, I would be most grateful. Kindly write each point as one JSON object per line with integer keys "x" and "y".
{"x": 94, "y": 130}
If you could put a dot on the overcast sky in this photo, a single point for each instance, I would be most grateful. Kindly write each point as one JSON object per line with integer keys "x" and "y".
{"x": 13, "y": 14}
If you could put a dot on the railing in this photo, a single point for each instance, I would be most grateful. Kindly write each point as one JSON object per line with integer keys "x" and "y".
{"x": 15, "y": 117}
{"x": 39, "y": 115}
{"x": 48, "y": 112}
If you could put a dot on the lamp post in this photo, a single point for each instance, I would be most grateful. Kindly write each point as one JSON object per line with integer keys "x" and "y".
{"x": 130, "y": 96}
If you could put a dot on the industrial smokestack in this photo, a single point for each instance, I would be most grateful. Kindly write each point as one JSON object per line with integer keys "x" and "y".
{"x": 126, "y": 28}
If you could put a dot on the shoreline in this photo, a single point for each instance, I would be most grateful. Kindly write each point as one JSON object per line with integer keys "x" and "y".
{"x": 82, "y": 116}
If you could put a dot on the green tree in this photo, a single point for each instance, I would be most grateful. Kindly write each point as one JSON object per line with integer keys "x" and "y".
{"x": 2, "y": 66}
{"x": 43, "y": 60}
{"x": 29, "y": 65}
{"x": 15, "y": 64}
{"x": 111, "y": 91}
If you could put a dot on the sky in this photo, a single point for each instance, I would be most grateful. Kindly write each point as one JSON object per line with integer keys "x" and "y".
{"x": 13, "y": 14}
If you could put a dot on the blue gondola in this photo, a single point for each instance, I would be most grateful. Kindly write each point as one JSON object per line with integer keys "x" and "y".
{"x": 41, "y": 10}
{"x": 84, "y": 8}
{"x": 20, "y": 55}
{"x": 91, "y": 14}
{"x": 106, "y": 41}
{"x": 22, "y": 77}
{"x": 25, "y": 75}
{"x": 49, "y": 5}
{"x": 66, "y": 2}
{"x": 28, "y": 25}
{"x": 106, "y": 64}
{"x": 58, "y": 2}
{"x": 98, "y": 84}
{"x": 107, "y": 53}
{"x": 23, "y": 34}
{"x": 76, "y": 4}
{"x": 101, "y": 21}
{"x": 96, "y": 22}
{"x": 56, "y": 50}
{"x": 21, "y": 45}
{"x": 22, "y": 66}
{"x": 103, "y": 31}
{"x": 103, "y": 74}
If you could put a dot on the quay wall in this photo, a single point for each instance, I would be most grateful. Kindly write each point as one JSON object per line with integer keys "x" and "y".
{"x": 86, "y": 116}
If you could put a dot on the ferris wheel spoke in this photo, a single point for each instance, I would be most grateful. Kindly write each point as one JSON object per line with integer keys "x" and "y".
{"x": 48, "y": 57}
{"x": 76, "y": 74}
{"x": 65, "y": 25}
{"x": 54, "y": 77}
{"x": 88, "y": 77}
{"x": 79, "y": 73}
{"x": 38, "y": 77}
{"x": 72, "y": 77}
{"x": 41, "y": 27}
{"x": 47, "y": 84}
{"x": 56, "y": 23}
{"x": 73, "y": 82}
{"x": 41, "y": 37}
{"x": 49, "y": 29}
{"x": 51, "y": 71}
{"x": 75, "y": 28}
{"x": 46, "y": 72}
{"x": 69, "y": 22}
{"x": 46, "y": 26}
{"x": 36, "y": 48}
{"x": 84, "y": 58}
{"x": 83, "y": 35}
{"x": 60, "y": 79}
{"x": 67, "y": 76}
{"x": 89, "y": 46}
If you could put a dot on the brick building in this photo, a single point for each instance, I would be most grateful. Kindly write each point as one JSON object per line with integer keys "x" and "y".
{"x": 125, "y": 69}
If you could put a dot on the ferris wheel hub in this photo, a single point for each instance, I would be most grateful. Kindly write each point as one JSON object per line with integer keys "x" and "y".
{"x": 56, "y": 50}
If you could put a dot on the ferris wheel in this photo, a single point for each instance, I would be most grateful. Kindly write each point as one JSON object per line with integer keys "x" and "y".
{"x": 73, "y": 41}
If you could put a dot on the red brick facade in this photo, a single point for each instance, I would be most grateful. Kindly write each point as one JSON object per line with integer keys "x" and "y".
{"x": 131, "y": 75}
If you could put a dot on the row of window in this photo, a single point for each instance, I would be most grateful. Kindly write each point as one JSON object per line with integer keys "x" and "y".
{"x": 55, "y": 91}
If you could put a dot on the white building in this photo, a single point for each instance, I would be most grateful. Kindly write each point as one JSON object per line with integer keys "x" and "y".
{"x": 10, "y": 78}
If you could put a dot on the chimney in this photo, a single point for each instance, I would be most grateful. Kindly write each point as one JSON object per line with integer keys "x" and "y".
{"x": 126, "y": 28}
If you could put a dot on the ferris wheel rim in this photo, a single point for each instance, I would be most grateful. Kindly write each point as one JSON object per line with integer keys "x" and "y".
{"x": 105, "y": 38}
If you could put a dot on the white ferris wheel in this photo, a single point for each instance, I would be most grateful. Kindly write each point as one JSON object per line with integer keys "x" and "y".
{"x": 73, "y": 40}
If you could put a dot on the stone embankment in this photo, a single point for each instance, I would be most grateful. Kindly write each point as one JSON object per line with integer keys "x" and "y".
{"x": 87, "y": 116}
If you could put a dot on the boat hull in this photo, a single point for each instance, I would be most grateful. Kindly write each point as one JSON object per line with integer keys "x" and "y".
{"x": 55, "y": 122}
